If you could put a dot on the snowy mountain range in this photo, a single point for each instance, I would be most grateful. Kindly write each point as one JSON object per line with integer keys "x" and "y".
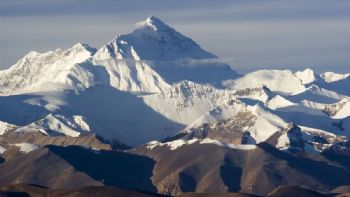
{"x": 155, "y": 83}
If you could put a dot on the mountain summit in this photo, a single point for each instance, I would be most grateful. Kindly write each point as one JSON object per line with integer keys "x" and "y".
{"x": 172, "y": 55}
{"x": 153, "y": 22}
{"x": 154, "y": 40}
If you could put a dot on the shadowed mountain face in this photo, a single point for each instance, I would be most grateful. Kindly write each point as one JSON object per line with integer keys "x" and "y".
{"x": 115, "y": 115}
{"x": 291, "y": 191}
{"x": 19, "y": 190}
{"x": 111, "y": 167}
{"x": 208, "y": 168}
{"x": 25, "y": 190}
{"x": 74, "y": 167}
{"x": 229, "y": 170}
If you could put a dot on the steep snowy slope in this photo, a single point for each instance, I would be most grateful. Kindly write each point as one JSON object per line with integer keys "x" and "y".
{"x": 131, "y": 75}
{"x": 339, "y": 83}
{"x": 153, "y": 40}
{"x": 172, "y": 55}
{"x": 4, "y": 127}
{"x": 306, "y": 76}
{"x": 53, "y": 70}
{"x": 340, "y": 110}
{"x": 186, "y": 101}
{"x": 279, "y": 102}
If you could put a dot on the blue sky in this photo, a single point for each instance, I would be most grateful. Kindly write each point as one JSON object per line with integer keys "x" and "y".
{"x": 249, "y": 35}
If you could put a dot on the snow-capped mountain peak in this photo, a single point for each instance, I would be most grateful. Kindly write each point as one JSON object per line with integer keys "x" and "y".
{"x": 153, "y": 40}
{"x": 154, "y": 23}
{"x": 306, "y": 76}
{"x": 82, "y": 47}
{"x": 56, "y": 69}
{"x": 163, "y": 50}
{"x": 330, "y": 77}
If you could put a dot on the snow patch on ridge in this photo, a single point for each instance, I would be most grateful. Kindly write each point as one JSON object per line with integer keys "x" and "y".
{"x": 232, "y": 146}
{"x": 173, "y": 145}
{"x": 26, "y": 147}
{"x": 4, "y": 127}
{"x": 2, "y": 150}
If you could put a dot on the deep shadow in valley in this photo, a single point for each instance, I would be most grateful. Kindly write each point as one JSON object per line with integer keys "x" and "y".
{"x": 113, "y": 168}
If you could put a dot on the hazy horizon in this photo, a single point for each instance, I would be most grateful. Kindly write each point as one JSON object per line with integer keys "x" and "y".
{"x": 247, "y": 35}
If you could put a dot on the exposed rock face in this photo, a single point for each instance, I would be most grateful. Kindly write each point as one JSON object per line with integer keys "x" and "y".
{"x": 74, "y": 167}
{"x": 91, "y": 191}
{"x": 40, "y": 139}
{"x": 232, "y": 170}
{"x": 32, "y": 190}
{"x": 10, "y": 141}
{"x": 200, "y": 166}
{"x": 229, "y": 131}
